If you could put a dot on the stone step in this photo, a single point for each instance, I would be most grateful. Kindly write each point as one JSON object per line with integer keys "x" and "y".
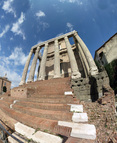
{"x": 85, "y": 131}
{"x": 44, "y": 100}
{"x": 54, "y": 107}
{"x": 50, "y": 126}
{"x": 36, "y": 95}
{"x": 47, "y": 114}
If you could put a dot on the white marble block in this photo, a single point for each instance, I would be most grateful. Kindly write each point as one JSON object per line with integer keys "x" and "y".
{"x": 79, "y": 117}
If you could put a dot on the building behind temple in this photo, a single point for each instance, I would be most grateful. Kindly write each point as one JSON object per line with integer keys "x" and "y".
{"x": 107, "y": 52}
{"x": 5, "y": 85}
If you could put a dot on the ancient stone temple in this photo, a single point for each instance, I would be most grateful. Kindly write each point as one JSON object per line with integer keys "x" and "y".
{"x": 60, "y": 59}
{"x": 53, "y": 109}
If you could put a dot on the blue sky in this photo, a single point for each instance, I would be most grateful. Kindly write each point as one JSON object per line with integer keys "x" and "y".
{"x": 24, "y": 23}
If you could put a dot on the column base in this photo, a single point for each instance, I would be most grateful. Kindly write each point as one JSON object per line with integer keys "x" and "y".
{"x": 93, "y": 71}
{"x": 41, "y": 78}
{"x": 76, "y": 75}
{"x": 57, "y": 76}
{"x": 21, "y": 83}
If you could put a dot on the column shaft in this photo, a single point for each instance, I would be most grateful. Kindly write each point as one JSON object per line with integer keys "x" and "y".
{"x": 26, "y": 68}
{"x": 43, "y": 63}
{"x": 84, "y": 61}
{"x": 33, "y": 66}
{"x": 74, "y": 66}
{"x": 92, "y": 67}
{"x": 56, "y": 60}
{"x": 38, "y": 69}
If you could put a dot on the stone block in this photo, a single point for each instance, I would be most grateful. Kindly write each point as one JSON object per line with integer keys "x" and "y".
{"x": 24, "y": 130}
{"x": 76, "y": 108}
{"x": 80, "y": 117}
{"x": 68, "y": 93}
{"x": 42, "y": 137}
{"x": 85, "y": 131}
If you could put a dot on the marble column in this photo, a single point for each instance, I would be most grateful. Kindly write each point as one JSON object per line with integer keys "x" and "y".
{"x": 74, "y": 66}
{"x": 84, "y": 61}
{"x": 38, "y": 69}
{"x": 93, "y": 70}
{"x": 33, "y": 66}
{"x": 56, "y": 60}
{"x": 26, "y": 68}
{"x": 43, "y": 63}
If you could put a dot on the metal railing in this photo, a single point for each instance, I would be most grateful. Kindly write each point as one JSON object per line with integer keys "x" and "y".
{"x": 4, "y": 135}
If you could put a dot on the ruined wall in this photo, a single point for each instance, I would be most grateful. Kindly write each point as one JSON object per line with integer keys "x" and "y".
{"x": 90, "y": 88}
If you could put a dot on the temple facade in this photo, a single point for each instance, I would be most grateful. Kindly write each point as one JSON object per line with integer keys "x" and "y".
{"x": 60, "y": 59}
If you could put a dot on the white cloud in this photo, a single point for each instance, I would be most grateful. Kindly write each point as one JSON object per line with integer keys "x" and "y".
{"x": 11, "y": 38}
{"x": 44, "y": 25}
{"x": 7, "y": 7}
{"x": 11, "y": 64}
{"x": 59, "y": 34}
{"x": 40, "y": 14}
{"x": 18, "y": 57}
{"x": 4, "y": 31}
{"x": 70, "y": 26}
{"x": 16, "y": 28}
{"x": 79, "y": 2}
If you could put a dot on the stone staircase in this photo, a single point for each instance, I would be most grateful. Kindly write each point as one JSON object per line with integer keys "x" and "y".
{"x": 48, "y": 109}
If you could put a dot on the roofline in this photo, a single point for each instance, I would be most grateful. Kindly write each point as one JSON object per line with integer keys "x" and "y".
{"x": 51, "y": 40}
{"x": 105, "y": 43}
